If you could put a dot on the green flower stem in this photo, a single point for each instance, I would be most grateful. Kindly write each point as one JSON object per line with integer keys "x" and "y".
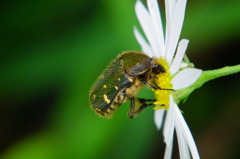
{"x": 205, "y": 77}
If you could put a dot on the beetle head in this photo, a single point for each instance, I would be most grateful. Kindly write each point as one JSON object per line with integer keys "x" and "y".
{"x": 157, "y": 68}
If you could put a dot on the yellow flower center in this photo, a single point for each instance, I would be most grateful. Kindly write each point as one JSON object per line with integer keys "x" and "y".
{"x": 163, "y": 80}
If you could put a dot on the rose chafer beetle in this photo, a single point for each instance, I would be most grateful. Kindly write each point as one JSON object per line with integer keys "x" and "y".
{"x": 122, "y": 80}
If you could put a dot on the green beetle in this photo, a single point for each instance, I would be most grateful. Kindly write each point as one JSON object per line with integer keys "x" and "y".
{"x": 121, "y": 81}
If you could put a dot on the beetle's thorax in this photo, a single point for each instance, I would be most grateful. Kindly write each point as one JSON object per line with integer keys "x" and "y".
{"x": 135, "y": 63}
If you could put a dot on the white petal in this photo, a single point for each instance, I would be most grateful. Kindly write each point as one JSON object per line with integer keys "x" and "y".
{"x": 148, "y": 27}
{"x": 168, "y": 150}
{"x": 157, "y": 22}
{"x": 186, "y": 78}
{"x": 182, "y": 47}
{"x": 175, "y": 29}
{"x": 186, "y": 133}
{"x": 144, "y": 45}
{"x": 158, "y": 118}
{"x": 169, "y": 6}
{"x": 168, "y": 128}
{"x": 182, "y": 144}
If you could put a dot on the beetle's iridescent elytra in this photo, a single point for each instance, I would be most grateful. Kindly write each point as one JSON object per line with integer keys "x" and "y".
{"x": 121, "y": 81}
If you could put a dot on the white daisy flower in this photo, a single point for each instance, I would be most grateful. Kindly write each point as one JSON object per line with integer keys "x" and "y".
{"x": 164, "y": 47}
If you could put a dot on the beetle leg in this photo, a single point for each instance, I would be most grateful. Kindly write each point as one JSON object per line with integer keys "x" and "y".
{"x": 133, "y": 113}
{"x": 156, "y": 86}
{"x": 150, "y": 85}
{"x": 132, "y": 108}
{"x": 142, "y": 100}
{"x": 163, "y": 88}
{"x": 151, "y": 76}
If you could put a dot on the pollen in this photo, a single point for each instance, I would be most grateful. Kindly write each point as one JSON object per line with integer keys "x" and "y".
{"x": 163, "y": 80}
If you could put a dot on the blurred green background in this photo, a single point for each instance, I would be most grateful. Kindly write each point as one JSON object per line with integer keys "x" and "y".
{"x": 53, "y": 50}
